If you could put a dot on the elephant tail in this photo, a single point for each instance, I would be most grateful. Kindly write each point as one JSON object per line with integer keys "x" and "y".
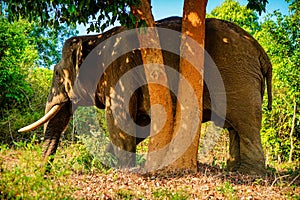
{"x": 267, "y": 71}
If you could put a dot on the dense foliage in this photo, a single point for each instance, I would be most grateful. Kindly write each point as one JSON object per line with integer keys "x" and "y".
{"x": 30, "y": 109}
{"x": 96, "y": 15}
{"x": 17, "y": 57}
{"x": 281, "y": 127}
{"x": 24, "y": 48}
{"x": 231, "y": 10}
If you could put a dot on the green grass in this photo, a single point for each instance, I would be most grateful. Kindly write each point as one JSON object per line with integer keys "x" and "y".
{"x": 22, "y": 176}
{"x": 170, "y": 194}
{"x": 227, "y": 190}
{"x": 126, "y": 194}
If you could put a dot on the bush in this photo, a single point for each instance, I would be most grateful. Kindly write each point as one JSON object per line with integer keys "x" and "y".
{"x": 17, "y": 57}
{"x": 32, "y": 108}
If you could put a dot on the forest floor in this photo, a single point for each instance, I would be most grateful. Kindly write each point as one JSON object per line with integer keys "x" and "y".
{"x": 75, "y": 174}
{"x": 208, "y": 183}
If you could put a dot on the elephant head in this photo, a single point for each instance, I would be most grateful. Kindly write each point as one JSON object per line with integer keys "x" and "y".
{"x": 59, "y": 106}
{"x": 62, "y": 99}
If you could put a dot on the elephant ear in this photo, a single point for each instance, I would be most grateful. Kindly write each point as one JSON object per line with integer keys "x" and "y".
{"x": 77, "y": 56}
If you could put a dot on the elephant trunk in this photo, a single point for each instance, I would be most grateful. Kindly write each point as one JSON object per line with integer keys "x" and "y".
{"x": 54, "y": 129}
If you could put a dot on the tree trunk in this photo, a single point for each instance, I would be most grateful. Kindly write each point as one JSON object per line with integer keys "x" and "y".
{"x": 161, "y": 121}
{"x": 189, "y": 111}
{"x": 292, "y": 131}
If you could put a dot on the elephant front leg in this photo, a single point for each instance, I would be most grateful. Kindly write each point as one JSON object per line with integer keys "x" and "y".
{"x": 122, "y": 132}
{"x": 122, "y": 145}
{"x": 234, "y": 160}
{"x": 53, "y": 131}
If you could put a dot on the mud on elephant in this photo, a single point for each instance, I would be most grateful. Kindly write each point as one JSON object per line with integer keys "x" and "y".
{"x": 241, "y": 61}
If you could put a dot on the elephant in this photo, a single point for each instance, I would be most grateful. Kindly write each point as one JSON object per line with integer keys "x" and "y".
{"x": 243, "y": 65}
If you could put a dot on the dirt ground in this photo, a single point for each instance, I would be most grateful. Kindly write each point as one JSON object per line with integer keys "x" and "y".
{"x": 209, "y": 183}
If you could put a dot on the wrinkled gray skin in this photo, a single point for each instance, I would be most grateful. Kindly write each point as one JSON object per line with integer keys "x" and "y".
{"x": 244, "y": 67}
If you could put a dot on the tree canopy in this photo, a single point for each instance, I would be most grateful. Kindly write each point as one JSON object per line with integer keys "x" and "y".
{"x": 96, "y": 15}
{"x": 231, "y": 10}
{"x": 258, "y": 5}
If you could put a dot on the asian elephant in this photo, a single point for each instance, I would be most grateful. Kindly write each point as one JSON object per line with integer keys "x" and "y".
{"x": 242, "y": 63}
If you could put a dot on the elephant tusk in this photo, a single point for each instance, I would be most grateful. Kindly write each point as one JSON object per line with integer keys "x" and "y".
{"x": 42, "y": 120}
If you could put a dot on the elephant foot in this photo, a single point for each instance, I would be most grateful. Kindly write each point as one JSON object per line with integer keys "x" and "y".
{"x": 246, "y": 168}
{"x": 251, "y": 169}
{"x": 233, "y": 165}
{"x": 119, "y": 158}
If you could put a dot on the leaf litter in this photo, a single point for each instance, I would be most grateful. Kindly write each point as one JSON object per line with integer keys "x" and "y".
{"x": 209, "y": 183}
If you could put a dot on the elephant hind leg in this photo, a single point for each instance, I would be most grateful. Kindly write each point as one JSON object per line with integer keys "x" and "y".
{"x": 252, "y": 156}
{"x": 245, "y": 153}
{"x": 234, "y": 160}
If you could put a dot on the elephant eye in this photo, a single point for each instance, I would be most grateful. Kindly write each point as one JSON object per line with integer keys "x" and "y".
{"x": 56, "y": 74}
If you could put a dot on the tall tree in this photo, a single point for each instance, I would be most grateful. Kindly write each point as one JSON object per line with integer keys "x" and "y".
{"x": 157, "y": 79}
{"x": 186, "y": 133}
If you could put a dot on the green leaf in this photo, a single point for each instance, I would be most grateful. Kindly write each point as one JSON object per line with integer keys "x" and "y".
{"x": 72, "y": 8}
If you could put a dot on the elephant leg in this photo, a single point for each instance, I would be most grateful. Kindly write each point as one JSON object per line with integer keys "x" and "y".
{"x": 122, "y": 130}
{"x": 122, "y": 145}
{"x": 53, "y": 131}
{"x": 234, "y": 160}
{"x": 251, "y": 152}
{"x": 142, "y": 116}
{"x": 245, "y": 116}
